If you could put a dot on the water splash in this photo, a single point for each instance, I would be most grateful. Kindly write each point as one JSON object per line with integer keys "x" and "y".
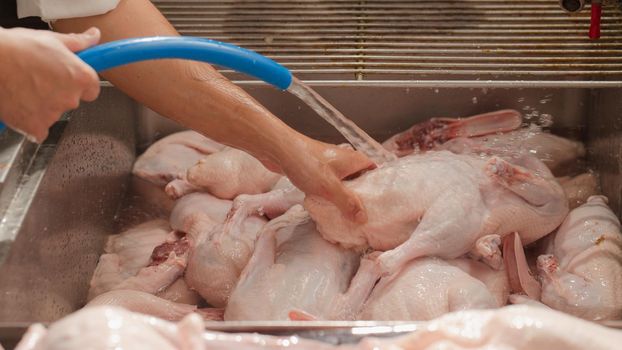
{"x": 355, "y": 135}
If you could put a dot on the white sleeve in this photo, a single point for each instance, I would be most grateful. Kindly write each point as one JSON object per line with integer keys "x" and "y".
{"x": 51, "y": 10}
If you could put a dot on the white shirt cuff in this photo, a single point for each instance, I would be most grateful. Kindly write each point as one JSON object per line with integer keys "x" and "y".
{"x": 51, "y": 10}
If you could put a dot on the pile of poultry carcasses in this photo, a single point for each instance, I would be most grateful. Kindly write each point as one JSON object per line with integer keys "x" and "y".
{"x": 475, "y": 213}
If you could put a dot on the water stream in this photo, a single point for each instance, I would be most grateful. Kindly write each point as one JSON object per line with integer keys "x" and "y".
{"x": 355, "y": 135}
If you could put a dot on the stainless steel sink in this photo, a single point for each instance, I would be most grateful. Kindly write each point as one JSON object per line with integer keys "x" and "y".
{"x": 65, "y": 204}
{"x": 385, "y": 65}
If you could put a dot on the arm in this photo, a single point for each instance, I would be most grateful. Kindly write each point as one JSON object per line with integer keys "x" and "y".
{"x": 198, "y": 97}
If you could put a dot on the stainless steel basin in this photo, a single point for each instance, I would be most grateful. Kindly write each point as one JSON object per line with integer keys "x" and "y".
{"x": 66, "y": 202}
{"x": 384, "y": 64}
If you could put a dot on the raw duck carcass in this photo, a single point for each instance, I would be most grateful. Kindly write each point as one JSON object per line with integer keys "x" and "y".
{"x": 294, "y": 269}
{"x": 441, "y": 203}
{"x": 134, "y": 246}
{"x": 152, "y": 279}
{"x": 582, "y": 272}
{"x": 144, "y": 303}
{"x": 180, "y": 292}
{"x": 125, "y": 264}
{"x": 106, "y": 327}
{"x": 426, "y": 136}
{"x": 496, "y": 131}
{"x": 225, "y": 174}
{"x": 427, "y": 288}
{"x": 579, "y": 188}
{"x": 559, "y": 154}
{"x": 517, "y": 327}
{"x": 216, "y": 258}
{"x": 281, "y": 198}
{"x": 170, "y": 157}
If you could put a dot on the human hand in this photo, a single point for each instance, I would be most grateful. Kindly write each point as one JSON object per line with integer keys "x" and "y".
{"x": 42, "y": 78}
{"x": 317, "y": 169}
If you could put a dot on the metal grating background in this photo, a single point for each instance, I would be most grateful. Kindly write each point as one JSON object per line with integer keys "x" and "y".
{"x": 412, "y": 39}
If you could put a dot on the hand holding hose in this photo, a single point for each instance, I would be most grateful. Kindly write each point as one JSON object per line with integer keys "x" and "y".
{"x": 42, "y": 78}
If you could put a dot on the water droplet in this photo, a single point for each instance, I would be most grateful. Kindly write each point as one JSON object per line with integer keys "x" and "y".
{"x": 546, "y": 120}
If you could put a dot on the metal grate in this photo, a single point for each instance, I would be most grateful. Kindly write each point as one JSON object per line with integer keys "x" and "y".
{"x": 412, "y": 39}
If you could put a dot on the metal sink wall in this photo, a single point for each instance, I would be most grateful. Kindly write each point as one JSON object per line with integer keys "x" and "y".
{"x": 64, "y": 206}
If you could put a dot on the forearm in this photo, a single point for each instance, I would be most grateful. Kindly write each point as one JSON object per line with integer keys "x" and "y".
{"x": 192, "y": 93}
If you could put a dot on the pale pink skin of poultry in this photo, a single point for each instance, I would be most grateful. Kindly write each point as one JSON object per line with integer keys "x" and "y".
{"x": 144, "y": 303}
{"x": 106, "y": 327}
{"x": 216, "y": 259}
{"x": 496, "y": 281}
{"x": 427, "y": 288}
{"x": 180, "y": 292}
{"x": 283, "y": 196}
{"x": 197, "y": 213}
{"x": 525, "y": 300}
{"x": 579, "y": 188}
{"x": 292, "y": 268}
{"x": 440, "y": 204}
{"x": 134, "y": 246}
{"x": 582, "y": 274}
{"x": 127, "y": 256}
{"x": 170, "y": 157}
{"x": 494, "y": 130}
{"x": 517, "y": 327}
{"x": 150, "y": 304}
{"x": 557, "y": 153}
{"x": 554, "y": 151}
{"x": 225, "y": 174}
{"x": 155, "y": 279}
{"x": 427, "y": 135}
{"x": 129, "y": 253}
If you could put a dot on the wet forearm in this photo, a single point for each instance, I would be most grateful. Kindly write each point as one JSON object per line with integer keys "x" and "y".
{"x": 191, "y": 93}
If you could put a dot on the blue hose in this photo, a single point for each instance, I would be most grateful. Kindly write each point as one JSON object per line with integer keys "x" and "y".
{"x": 122, "y": 52}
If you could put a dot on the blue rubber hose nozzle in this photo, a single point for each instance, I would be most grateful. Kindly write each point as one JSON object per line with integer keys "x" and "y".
{"x": 122, "y": 52}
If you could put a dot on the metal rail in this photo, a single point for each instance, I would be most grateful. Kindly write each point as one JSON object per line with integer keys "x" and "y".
{"x": 411, "y": 39}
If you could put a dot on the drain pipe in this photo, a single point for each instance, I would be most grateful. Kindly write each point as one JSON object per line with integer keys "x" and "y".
{"x": 572, "y": 5}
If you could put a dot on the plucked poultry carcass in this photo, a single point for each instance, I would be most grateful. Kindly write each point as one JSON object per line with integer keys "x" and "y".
{"x": 170, "y": 157}
{"x": 294, "y": 269}
{"x": 559, "y": 154}
{"x": 441, "y": 204}
{"x": 187, "y": 162}
{"x": 498, "y": 131}
{"x": 427, "y": 288}
{"x": 517, "y": 327}
{"x": 579, "y": 188}
{"x": 150, "y": 304}
{"x": 225, "y": 174}
{"x": 582, "y": 272}
{"x": 125, "y": 265}
{"x": 215, "y": 259}
{"x": 427, "y": 135}
{"x": 105, "y": 327}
